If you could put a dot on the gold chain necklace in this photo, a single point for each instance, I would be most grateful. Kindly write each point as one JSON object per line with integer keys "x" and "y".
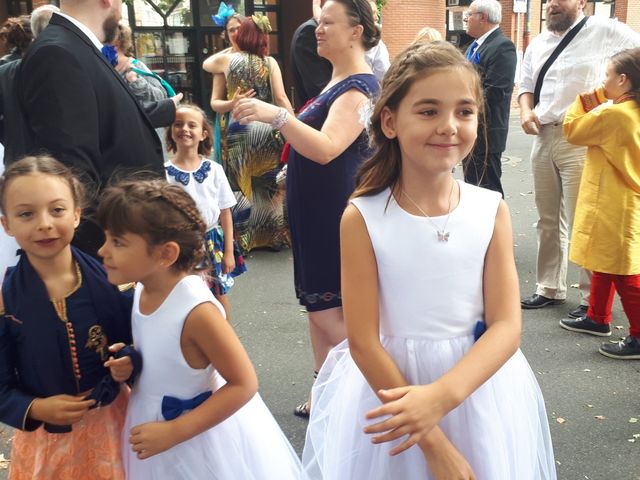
{"x": 443, "y": 235}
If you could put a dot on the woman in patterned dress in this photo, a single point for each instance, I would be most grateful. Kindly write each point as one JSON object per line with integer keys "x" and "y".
{"x": 253, "y": 157}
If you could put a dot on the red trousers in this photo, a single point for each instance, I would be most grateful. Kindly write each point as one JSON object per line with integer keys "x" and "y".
{"x": 603, "y": 286}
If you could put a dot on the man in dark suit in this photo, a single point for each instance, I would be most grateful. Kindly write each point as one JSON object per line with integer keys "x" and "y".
{"x": 311, "y": 73}
{"x": 495, "y": 57}
{"x": 12, "y": 124}
{"x": 79, "y": 109}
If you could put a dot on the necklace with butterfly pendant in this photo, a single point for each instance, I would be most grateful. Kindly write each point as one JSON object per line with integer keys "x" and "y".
{"x": 442, "y": 233}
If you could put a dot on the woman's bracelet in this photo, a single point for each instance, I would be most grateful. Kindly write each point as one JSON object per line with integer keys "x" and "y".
{"x": 281, "y": 119}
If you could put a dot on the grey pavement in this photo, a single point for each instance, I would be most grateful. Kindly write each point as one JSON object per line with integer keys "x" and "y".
{"x": 591, "y": 400}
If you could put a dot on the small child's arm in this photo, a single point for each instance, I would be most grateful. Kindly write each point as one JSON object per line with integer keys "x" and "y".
{"x": 125, "y": 364}
{"x": 226, "y": 222}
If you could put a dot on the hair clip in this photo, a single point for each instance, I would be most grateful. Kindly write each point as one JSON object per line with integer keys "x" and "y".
{"x": 224, "y": 14}
{"x": 262, "y": 22}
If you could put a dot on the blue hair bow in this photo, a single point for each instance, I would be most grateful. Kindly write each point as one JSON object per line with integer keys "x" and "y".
{"x": 173, "y": 407}
{"x": 224, "y": 13}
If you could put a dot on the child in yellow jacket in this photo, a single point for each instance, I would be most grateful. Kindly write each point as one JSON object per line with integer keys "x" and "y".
{"x": 606, "y": 229}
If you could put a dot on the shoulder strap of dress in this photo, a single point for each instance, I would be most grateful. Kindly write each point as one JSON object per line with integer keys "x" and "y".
{"x": 356, "y": 82}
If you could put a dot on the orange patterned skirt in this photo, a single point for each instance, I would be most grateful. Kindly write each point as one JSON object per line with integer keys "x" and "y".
{"x": 92, "y": 450}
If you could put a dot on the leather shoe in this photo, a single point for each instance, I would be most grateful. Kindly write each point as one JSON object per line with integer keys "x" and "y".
{"x": 539, "y": 301}
{"x": 579, "y": 312}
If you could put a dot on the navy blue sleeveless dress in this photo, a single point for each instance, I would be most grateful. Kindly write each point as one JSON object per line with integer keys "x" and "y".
{"x": 316, "y": 197}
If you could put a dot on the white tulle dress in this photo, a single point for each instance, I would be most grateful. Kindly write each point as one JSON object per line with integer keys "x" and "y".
{"x": 430, "y": 301}
{"x": 8, "y": 245}
{"x": 249, "y": 445}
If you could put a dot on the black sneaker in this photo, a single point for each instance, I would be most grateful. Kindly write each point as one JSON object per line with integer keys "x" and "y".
{"x": 628, "y": 349}
{"x": 579, "y": 312}
{"x": 586, "y": 325}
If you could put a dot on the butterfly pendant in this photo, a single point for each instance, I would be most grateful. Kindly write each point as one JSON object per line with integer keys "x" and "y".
{"x": 443, "y": 236}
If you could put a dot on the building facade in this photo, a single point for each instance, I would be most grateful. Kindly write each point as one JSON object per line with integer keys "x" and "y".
{"x": 173, "y": 37}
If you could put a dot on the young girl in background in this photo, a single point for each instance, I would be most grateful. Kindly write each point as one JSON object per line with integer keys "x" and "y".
{"x": 191, "y": 137}
{"x": 60, "y": 314}
{"x": 184, "y": 420}
{"x": 606, "y": 230}
{"x": 424, "y": 259}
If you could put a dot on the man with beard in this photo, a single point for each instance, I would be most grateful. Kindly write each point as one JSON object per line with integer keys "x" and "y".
{"x": 79, "y": 109}
{"x": 557, "y": 165}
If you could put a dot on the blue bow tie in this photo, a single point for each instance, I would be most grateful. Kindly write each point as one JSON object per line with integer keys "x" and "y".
{"x": 111, "y": 54}
{"x": 173, "y": 407}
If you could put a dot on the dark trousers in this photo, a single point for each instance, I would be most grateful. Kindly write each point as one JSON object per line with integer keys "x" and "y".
{"x": 603, "y": 286}
{"x": 486, "y": 175}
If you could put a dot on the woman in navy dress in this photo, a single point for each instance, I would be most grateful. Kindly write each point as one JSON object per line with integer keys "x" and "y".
{"x": 328, "y": 143}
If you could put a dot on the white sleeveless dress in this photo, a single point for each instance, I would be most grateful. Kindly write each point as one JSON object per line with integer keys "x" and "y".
{"x": 8, "y": 245}
{"x": 430, "y": 301}
{"x": 249, "y": 445}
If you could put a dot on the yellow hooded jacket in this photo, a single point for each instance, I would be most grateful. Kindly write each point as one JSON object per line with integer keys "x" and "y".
{"x": 606, "y": 228}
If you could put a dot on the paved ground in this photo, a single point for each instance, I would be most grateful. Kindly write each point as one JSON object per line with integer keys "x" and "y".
{"x": 595, "y": 398}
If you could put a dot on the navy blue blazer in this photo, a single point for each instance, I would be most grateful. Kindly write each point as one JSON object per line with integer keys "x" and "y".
{"x": 39, "y": 357}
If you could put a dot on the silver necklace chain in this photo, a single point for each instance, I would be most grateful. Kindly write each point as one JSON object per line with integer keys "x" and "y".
{"x": 443, "y": 235}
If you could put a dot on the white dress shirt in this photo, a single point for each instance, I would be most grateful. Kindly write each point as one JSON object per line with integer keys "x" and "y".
{"x": 480, "y": 40}
{"x": 579, "y": 68}
{"x": 378, "y": 59}
{"x": 84, "y": 29}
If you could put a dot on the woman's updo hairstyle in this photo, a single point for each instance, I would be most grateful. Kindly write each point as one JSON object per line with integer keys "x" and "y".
{"x": 360, "y": 13}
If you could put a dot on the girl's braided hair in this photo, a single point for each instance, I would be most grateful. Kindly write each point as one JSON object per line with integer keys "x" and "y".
{"x": 158, "y": 211}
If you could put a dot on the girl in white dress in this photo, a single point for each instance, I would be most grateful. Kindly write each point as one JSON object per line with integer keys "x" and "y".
{"x": 427, "y": 264}
{"x": 194, "y": 412}
{"x": 190, "y": 137}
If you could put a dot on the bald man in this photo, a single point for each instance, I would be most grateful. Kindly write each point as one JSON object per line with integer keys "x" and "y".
{"x": 78, "y": 108}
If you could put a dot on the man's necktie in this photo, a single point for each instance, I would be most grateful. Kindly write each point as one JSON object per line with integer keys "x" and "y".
{"x": 472, "y": 49}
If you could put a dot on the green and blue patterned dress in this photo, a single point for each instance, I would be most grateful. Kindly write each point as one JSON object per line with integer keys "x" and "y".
{"x": 253, "y": 162}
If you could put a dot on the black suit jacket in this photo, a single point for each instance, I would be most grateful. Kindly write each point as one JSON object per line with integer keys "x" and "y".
{"x": 497, "y": 68}
{"x": 12, "y": 125}
{"x": 311, "y": 73}
{"x": 80, "y": 110}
